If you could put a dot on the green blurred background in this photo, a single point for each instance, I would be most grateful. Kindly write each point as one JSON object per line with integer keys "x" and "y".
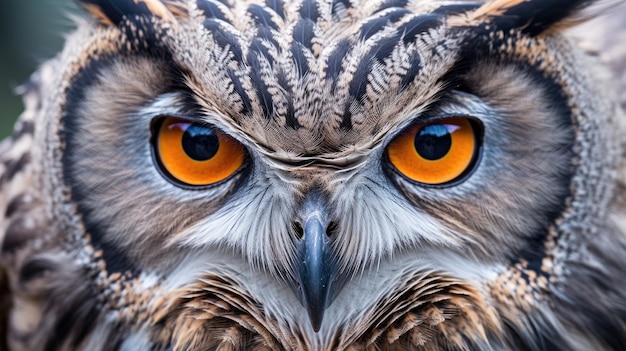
{"x": 31, "y": 31}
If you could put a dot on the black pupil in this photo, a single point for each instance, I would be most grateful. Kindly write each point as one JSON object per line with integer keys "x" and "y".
{"x": 433, "y": 142}
{"x": 200, "y": 142}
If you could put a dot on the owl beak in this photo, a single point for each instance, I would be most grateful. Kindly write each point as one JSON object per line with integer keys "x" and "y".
{"x": 317, "y": 270}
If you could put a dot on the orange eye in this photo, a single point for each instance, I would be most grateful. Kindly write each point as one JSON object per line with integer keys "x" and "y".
{"x": 435, "y": 153}
{"x": 197, "y": 154}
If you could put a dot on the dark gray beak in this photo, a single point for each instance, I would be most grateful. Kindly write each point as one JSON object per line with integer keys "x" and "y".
{"x": 316, "y": 271}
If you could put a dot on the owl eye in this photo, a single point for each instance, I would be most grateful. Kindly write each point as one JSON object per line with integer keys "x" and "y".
{"x": 196, "y": 154}
{"x": 436, "y": 153}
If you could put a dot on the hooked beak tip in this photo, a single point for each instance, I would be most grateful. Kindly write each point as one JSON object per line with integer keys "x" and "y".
{"x": 316, "y": 320}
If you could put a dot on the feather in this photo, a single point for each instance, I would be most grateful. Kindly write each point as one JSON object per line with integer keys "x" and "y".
{"x": 111, "y": 12}
{"x": 533, "y": 17}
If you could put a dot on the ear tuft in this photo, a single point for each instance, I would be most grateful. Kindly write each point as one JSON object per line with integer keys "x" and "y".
{"x": 533, "y": 17}
{"x": 112, "y": 12}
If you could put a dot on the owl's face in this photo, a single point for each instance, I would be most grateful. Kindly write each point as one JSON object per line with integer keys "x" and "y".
{"x": 325, "y": 175}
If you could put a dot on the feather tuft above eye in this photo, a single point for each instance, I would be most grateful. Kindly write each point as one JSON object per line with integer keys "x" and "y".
{"x": 533, "y": 17}
{"x": 112, "y": 12}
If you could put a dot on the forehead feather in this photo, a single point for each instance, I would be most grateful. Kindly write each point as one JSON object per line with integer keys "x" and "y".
{"x": 318, "y": 76}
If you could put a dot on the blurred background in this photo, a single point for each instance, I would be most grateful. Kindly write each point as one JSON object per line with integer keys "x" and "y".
{"x": 31, "y": 31}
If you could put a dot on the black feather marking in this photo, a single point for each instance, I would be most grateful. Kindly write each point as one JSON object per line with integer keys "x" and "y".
{"x": 381, "y": 50}
{"x": 413, "y": 71}
{"x": 375, "y": 25}
{"x": 264, "y": 96}
{"x": 257, "y": 47}
{"x": 245, "y": 99}
{"x": 13, "y": 167}
{"x": 384, "y": 47}
{"x": 337, "y": 4}
{"x": 225, "y": 3}
{"x": 261, "y": 17}
{"x": 535, "y": 16}
{"x": 372, "y": 27}
{"x": 392, "y": 3}
{"x": 456, "y": 9}
{"x": 278, "y": 6}
{"x": 346, "y": 119}
{"x": 335, "y": 59}
{"x": 211, "y": 10}
{"x": 16, "y": 204}
{"x": 223, "y": 38}
{"x": 419, "y": 25}
{"x": 290, "y": 117}
{"x": 35, "y": 268}
{"x": 358, "y": 84}
{"x": 117, "y": 10}
{"x": 303, "y": 32}
{"x": 17, "y": 235}
{"x": 309, "y": 10}
{"x": 267, "y": 34}
{"x": 24, "y": 128}
{"x": 300, "y": 59}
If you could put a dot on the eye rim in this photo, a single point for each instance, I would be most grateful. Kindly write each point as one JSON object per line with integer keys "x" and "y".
{"x": 155, "y": 127}
{"x": 479, "y": 131}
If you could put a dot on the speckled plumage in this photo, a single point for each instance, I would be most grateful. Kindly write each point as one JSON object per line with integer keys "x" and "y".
{"x": 100, "y": 252}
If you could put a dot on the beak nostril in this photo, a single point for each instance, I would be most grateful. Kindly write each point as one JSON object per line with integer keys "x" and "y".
{"x": 332, "y": 228}
{"x": 297, "y": 227}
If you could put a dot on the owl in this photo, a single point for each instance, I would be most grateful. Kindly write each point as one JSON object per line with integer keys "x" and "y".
{"x": 317, "y": 175}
